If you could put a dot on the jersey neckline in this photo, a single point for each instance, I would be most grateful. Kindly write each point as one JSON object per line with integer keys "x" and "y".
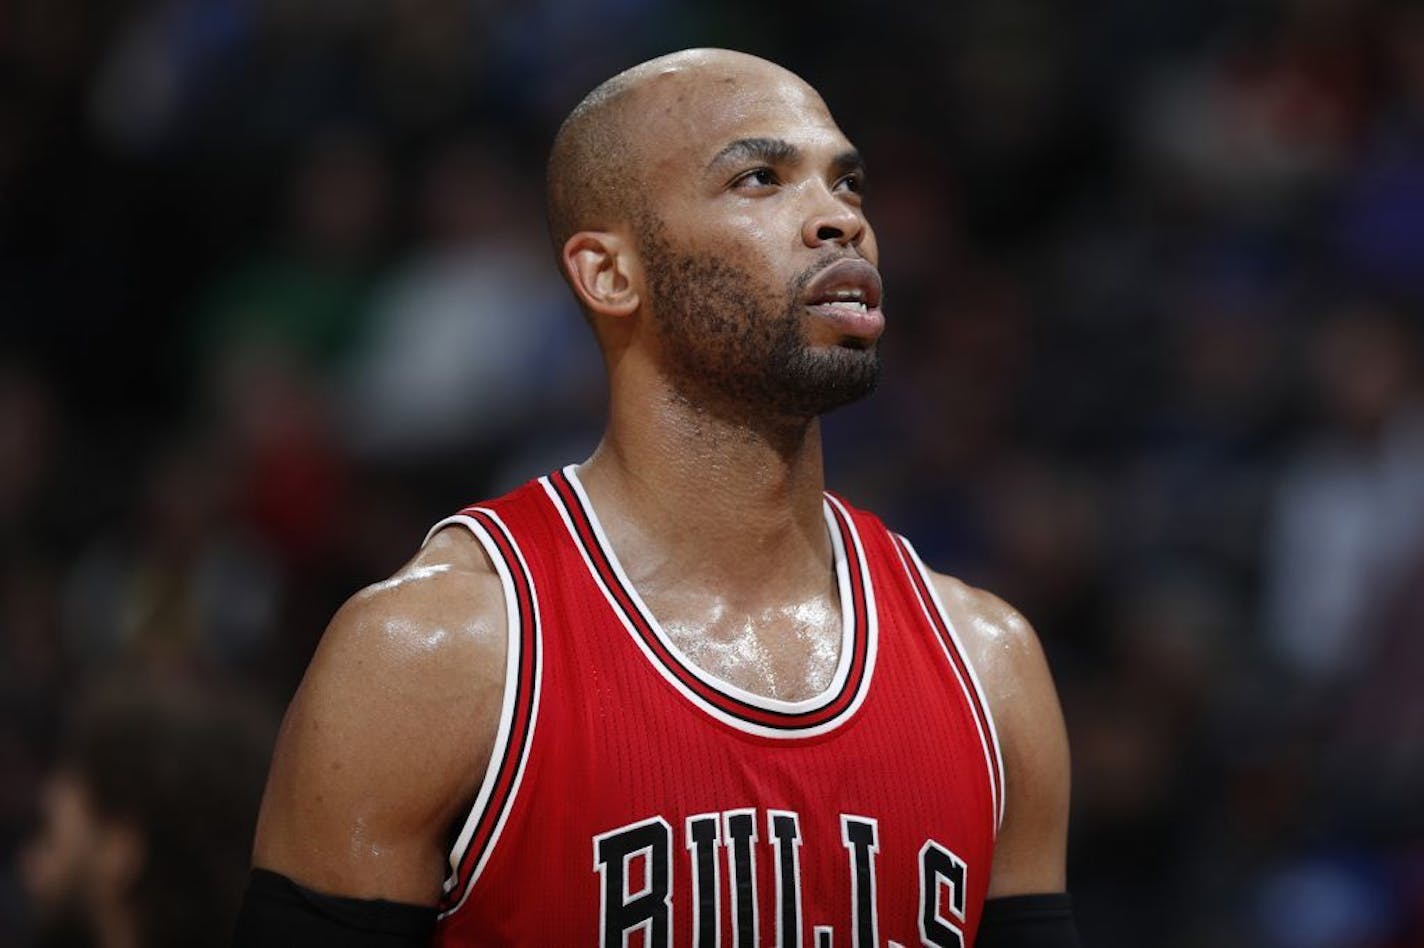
{"x": 735, "y": 706}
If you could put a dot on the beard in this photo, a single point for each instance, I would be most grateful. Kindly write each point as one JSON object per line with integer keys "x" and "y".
{"x": 736, "y": 346}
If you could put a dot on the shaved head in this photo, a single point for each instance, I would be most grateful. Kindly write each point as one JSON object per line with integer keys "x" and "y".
{"x": 600, "y": 154}
{"x": 698, "y": 204}
{"x": 583, "y": 189}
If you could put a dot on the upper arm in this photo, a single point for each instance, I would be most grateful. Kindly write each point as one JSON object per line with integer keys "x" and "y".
{"x": 1031, "y": 849}
{"x": 390, "y": 731}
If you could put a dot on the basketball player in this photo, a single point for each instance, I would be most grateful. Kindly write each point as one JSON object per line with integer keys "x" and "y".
{"x": 678, "y": 695}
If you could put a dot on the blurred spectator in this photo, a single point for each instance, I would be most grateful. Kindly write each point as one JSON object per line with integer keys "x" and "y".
{"x": 161, "y": 65}
{"x": 472, "y": 333}
{"x": 28, "y": 434}
{"x": 1270, "y": 116}
{"x": 1349, "y": 515}
{"x": 146, "y": 819}
{"x": 1381, "y": 226}
{"x": 304, "y": 295}
{"x": 180, "y": 586}
{"x": 280, "y": 450}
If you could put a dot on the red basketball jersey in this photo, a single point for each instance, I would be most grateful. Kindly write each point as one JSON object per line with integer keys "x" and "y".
{"x": 634, "y": 799}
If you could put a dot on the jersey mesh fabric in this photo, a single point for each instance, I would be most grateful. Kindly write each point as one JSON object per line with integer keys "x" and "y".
{"x": 603, "y": 735}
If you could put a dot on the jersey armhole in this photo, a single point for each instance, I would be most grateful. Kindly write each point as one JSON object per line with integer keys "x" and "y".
{"x": 974, "y": 690}
{"x": 499, "y": 785}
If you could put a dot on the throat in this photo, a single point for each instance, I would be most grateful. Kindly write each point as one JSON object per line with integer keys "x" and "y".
{"x": 761, "y": 606}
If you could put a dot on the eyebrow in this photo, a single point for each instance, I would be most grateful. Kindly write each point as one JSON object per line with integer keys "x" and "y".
{"x": 773, "y": 151}
{"x": 778, "y": 151}
{"x": 848, "y": 162}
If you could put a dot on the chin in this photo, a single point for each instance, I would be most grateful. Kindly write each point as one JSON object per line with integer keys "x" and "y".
{"x": 831, "y": 378}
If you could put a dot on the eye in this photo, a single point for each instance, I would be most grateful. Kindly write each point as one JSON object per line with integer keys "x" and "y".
{"x": 853, "y": 182}
{"x": 755, "y": 178}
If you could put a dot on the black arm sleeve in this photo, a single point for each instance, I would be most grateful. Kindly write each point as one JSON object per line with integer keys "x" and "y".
{"x": 278, "y": 913}
{"x": 1028, "y": 921}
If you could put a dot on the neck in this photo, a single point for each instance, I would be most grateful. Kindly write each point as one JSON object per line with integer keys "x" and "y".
{"x": 705, "y": 496}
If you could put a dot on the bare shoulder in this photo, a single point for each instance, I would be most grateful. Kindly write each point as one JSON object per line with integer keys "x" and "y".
{"x": 389, "y": 732}
{"x": 1002, "y": 645}
{"x": 1008, "y": 660}
{"x": 432, "y": 635}
{"x": 446, "y": 601}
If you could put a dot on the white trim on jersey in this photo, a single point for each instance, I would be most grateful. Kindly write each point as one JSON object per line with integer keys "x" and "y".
{"x": 845, "y": 660}
{"x": 513, "y": 658}
{"x": 993, "y": 757}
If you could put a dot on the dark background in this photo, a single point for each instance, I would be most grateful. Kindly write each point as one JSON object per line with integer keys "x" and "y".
{"x": 275, "y": 295}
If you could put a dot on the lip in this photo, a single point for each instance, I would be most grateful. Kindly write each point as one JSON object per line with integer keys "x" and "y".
{"x": 848, "y": 274}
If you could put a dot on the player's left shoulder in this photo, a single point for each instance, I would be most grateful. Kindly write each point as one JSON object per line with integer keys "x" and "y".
{"x": 1009, "y": 662}
{"x": 1001, "y": 644}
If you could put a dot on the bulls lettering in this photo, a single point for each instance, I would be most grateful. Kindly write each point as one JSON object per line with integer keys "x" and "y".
{"x": 634, "y": 865}
{"x": 649, "y": 907}
{"x": 859, "y": 835}
{"x": 784, "y": 828}
{"x": 704, "y": 833}
{"x": 941, "y": 869}
{"x": 741, "y": 834}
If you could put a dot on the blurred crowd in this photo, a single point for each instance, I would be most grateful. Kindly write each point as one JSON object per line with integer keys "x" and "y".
{"x": 275, "y": 295}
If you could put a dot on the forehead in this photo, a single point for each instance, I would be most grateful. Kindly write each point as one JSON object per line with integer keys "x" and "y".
{"x": 691, "y": 115}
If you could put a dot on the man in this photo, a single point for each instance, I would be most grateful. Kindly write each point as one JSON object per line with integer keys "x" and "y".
{"x": 678, "y": 690}
{"x": 145, "y": 820}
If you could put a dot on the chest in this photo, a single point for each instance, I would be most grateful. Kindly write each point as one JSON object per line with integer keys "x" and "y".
{"x": 651, "y": 814}
{"x": 658, "y": 801}
{"x": 787, "y": 652}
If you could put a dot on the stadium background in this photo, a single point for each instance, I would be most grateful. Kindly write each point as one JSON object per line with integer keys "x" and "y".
{"x": 275, "y": 295}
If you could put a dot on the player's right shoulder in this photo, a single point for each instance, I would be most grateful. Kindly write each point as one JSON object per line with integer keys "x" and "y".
{"x": 419, "y": 655}
{"x": 445, "y": 604}
{"x": 391, "y": 729}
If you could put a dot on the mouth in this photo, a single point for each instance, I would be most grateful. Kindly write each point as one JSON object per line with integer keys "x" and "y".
{"x": 847, "y": 294}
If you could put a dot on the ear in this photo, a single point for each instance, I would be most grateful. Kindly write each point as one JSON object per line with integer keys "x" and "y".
{"x": 603, "y": 271}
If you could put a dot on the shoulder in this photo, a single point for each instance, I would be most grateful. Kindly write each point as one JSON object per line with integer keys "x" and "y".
{"x": 446, "y": 602}
{"x": 434, "y": 631}
{"x": 1011, "y": 667}
{"x": 1001, "y": 643}
{"x": 408, "y": 678}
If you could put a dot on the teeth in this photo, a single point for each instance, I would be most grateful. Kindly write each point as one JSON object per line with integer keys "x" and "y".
{"x": 855, "y": 305}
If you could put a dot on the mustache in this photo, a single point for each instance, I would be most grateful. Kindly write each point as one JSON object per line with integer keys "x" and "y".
{"x": 804, "y": 279}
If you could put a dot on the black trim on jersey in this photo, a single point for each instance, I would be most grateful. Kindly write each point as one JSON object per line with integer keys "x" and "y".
{"x": 278, "y": 913}
{"x": 1028, "y": 921}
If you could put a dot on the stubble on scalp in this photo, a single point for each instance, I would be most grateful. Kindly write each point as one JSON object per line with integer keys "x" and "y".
{"x": 735, "y": 346}
{"x": 587, "y": 176}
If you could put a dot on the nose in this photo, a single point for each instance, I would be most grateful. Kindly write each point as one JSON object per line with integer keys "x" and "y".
{"x": 832, "y": 221}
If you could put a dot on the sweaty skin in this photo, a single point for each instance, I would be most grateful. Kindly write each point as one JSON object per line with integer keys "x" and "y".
{"x": 708, "y": 480}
